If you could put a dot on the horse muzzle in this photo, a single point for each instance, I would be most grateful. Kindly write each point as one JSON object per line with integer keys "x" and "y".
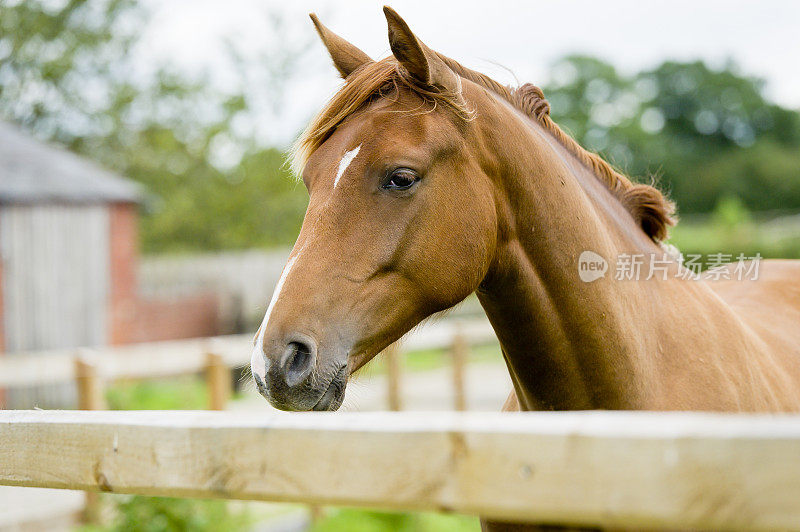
{"x": 292, "y": 377}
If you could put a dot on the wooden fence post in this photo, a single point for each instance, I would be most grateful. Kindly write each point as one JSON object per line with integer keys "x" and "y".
{"x": 316, "y": 513}
{"x": 218, "y": 378}
{"x": 394, "y": 369}
{"x": 460, "y": 353}
{"x": 89, "y": 384}
{"x": 90, "y": 397}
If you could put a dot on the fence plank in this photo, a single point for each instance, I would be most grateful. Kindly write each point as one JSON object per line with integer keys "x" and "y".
{"x": 177, "y": 357}
{"x": 90, "y": 397}
{"x": 88, "y": 383}
{"x": 460, "y": 353}
{"x": 394, "y": 377}
{"x": 218, "y": 381}
{"x": 589, "y": 468}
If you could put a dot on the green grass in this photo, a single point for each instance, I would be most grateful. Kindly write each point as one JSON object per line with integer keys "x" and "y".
{"x": 180, "y": 393}
{"x": 430, "y": 359}
{"x": 749, "y": 239}
{"x": 435, "y": 358}
{"x": 167, "y": 514}
{"x": 732, "y": 229}
{"x": 350, "y": 520}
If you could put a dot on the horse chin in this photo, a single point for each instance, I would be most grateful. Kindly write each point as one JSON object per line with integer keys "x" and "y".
{"x": 333, "y": 397}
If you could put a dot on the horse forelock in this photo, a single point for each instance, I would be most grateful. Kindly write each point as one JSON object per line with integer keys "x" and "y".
{"x": 369, "y": 82}
{"x": 650, "y": 209}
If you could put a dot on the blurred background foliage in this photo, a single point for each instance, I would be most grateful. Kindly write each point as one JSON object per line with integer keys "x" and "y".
{"x": 704, "y": 134}
{"x": 66, "y": 75}
{"x": 168, "y": 514}
{"x": 707, "y": 136}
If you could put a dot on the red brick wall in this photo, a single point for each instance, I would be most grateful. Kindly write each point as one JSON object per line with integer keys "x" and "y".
{"x": 134, "y": 319}
{"x": 172, "y": 319}
{"x": 124, "y": 255}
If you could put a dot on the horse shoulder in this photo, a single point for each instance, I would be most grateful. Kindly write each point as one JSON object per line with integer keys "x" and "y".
{"x": 769, "y": 306}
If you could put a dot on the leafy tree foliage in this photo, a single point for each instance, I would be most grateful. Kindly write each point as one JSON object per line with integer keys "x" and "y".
{"x": 66, "y": 75}
{"x": 705, "y": 133}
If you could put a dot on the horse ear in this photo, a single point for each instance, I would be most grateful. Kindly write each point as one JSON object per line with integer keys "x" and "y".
{"x": 346, "y": 57}
{"x": 420, "y": 61}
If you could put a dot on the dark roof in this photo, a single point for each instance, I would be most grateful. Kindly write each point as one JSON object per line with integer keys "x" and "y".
{"x": 34, "y": 172}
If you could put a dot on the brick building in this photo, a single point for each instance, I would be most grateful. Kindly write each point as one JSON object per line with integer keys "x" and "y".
{"x": 68, "y": 257}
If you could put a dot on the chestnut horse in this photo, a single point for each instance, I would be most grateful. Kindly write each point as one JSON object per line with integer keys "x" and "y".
{"x": 429, "y": 181}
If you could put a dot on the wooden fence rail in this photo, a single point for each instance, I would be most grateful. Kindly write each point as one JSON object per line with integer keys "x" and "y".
{"x": 616, "y": 469}
{"x": 89, "y": 368}
{"x": 178, "y": 357}
{"x": 92, "y": 368}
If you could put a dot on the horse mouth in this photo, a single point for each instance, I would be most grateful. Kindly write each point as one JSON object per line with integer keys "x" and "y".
{"x": 333, "y": 397}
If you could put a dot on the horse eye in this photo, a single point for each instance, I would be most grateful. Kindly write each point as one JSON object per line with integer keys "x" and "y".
{"x": 401, "y": 179}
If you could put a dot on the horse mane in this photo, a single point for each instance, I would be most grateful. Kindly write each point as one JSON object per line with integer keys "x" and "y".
{"x": 650, "y": 209}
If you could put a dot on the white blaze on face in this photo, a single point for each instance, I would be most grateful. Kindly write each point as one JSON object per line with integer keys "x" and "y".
{"x": 344, "y": 163}
{"x": 259, "y": 365}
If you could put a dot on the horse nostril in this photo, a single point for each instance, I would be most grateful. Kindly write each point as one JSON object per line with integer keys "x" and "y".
{"x": 299, "y": 357}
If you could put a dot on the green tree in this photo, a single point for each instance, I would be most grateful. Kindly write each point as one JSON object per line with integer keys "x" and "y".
{"x": 58, "y": 62}
{"x": 66, "y": 76}
{"x": 706, "y": 133}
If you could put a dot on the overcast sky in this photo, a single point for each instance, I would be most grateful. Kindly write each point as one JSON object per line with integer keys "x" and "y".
{"x": 524, "y": 37}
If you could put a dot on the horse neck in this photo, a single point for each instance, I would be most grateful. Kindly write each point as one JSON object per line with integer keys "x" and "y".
{"x": 568, "y": 344}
